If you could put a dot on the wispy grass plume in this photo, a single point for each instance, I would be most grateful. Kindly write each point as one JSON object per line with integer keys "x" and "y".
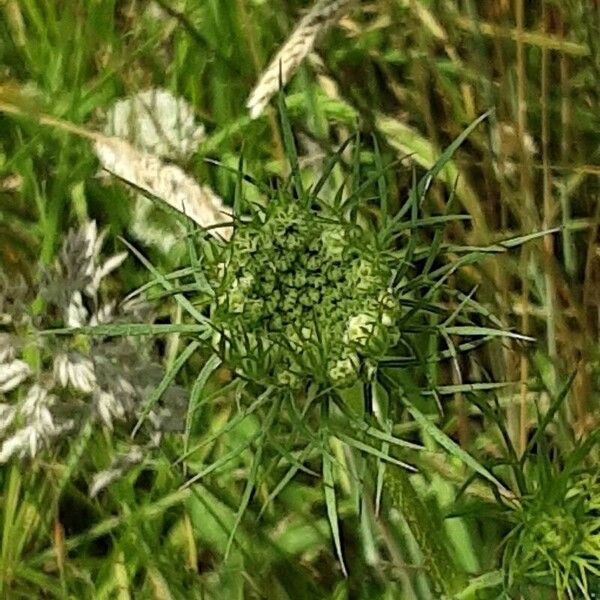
{"x": 143, "y": 170}
{"x": 283, "y": 66}
{"x": 165, "y": 181}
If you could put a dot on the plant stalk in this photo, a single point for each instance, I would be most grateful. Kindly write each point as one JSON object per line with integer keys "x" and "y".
{"x": 437, "y": 561}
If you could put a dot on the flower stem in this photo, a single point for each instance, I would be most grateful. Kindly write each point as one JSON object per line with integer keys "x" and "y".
{"x": 424, "y": 527}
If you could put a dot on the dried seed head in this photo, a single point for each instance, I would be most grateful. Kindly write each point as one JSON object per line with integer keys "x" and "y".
{"x": 167, "y": 182}
{"x": 69, "y": 387}
{"x": 300, "y": 43}
{"x": 157, "y": 122}
{"x": 8, "y": 413}
{"x": 118, "y": 468}
{"x": 12, "y": 374}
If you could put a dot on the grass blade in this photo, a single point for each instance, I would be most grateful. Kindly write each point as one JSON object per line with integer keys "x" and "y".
{"x": 453, "y": 448}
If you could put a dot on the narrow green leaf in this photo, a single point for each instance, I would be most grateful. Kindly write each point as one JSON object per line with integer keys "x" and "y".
{"x": 239, "y": 417}
{"x": 253, "y": 475}
{"x": 350, "y": 441}
{"x": 469, "y": 330}
{"x": 223, "y": 460}
{"x": 127, "y": 329}
{"x": 450, "y": 446}
{"x": 546, "y": 420}
{"x": 331, "y": 504}
{"x": 385, "y": 448}
{"x": 289, "y": 475}
{"x": 381, "y": 181}
{"x": 482, "y": 582}
{"x": 207, "y": 370}
{"x": 181, "y": 300}
{"x": 290, "y": 148}
{"x": 383, "y": 435}
{"x": 164, "y": 384}
{"x": 465, "y": 388}
{"x": 332, "y": 161}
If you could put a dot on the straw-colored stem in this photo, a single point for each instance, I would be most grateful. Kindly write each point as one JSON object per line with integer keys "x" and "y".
{"x": 548, "y": 211}
{"x": 526, "y": 187}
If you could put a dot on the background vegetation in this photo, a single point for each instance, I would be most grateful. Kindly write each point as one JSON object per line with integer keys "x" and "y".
{"x": 410, "y": 76}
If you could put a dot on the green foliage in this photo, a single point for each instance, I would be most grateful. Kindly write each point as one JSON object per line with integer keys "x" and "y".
{"x": 554, "y": 540}
{"x": 324, "y": 452}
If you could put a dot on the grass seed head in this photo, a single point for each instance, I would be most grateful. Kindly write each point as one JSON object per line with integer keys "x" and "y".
{"x": 295, "y": 49}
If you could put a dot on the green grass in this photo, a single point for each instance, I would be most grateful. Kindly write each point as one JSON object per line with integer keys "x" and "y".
{"x": 255, "y": 498}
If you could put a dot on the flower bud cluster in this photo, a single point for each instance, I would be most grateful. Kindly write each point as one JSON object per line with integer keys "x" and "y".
{"x": 302, "y": 297}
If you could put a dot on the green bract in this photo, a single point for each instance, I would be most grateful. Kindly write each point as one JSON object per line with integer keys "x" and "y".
{"x": 558, "y": 537}
{"x": 301, "y": 295}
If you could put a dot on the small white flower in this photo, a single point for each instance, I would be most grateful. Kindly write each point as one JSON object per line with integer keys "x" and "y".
{"x": 90, "y": 235}
{"x": 108, "y": 407}
{"x": 237, "y": 295}
{"x": 125, "y": 387}
{"x": 345, "y": 368}
{"x": 387, "y": 320}
{"x": 103, "y": 479}
{"x": 18, "y": 444}
{"x": 36, "y": 405}
{"x": 93, "y": 243}
{"x": 155, "y": 438}
{"x": 61, "y": 369}
{"x": 333, "y": 241}
{"x": 387, "y": 300}
{"x": 104, "y": 314}
{"x": 113, "y": 263}
{"x": 117, "y": 469}
{"x": 294, "y": 341}
{"x": 364, "y": 275}
{"x": 288, "y": 379}
{"x": 81, "y": 374}
{"x": 157, "y": 418}
{"x": 75, "y": 370}
{"x": 12, "y": 374}
{"x": 108, "y": 267}
{"x": 76, "y": 314}
{"x": 8, "y": 412}
{"x": 96, "y": 240}
{"x": 30, "y": 439}
{"x": 25, "y": 441}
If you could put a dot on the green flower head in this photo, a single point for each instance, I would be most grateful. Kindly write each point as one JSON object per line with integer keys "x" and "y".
{"x": 313, "y": 292}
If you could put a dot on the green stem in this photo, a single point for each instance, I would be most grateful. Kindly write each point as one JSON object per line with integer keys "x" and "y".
{"x": 428, "y": 533}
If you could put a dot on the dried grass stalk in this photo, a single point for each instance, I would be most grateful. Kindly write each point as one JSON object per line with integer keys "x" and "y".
{"x": 324, "y": 14}
{"x": 165, "y": 181}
